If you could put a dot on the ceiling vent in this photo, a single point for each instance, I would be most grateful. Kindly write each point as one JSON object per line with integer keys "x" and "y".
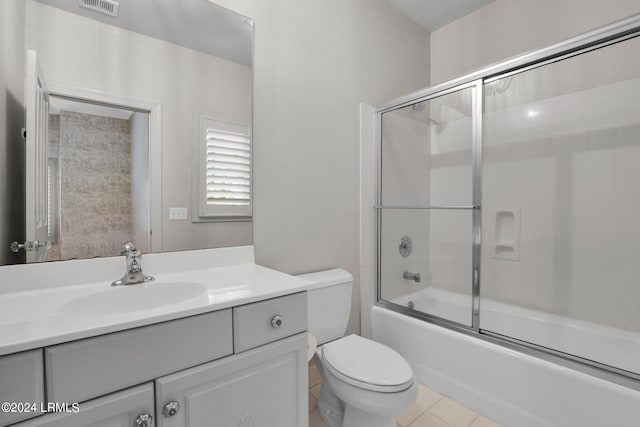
{"x": 106, "y": 7}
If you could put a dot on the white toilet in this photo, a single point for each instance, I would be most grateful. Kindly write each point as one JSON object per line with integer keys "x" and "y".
{"x": 365, "y": 383}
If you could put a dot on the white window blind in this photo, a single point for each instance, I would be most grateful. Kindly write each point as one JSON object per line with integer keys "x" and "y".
{"x": 226, "y": 181}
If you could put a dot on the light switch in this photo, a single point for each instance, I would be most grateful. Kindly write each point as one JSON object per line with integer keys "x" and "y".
{"x": 177, "y": 213}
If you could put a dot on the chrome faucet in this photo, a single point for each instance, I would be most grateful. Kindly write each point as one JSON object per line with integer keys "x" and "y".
{"x": 412, "y": 276}
{"x": 133, "y": 275}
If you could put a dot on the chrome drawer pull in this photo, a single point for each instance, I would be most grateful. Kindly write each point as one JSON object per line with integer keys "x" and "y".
{"x": 277, "y": 320}
{"x": 143, "y": 420}
{"x": 170, "y": 409}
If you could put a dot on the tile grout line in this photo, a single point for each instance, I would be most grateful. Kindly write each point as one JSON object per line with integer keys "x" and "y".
{"x": 436, "y": 402}
{"x": 432, "y": 415}
{"x": 439, "y": 419}
{"x": 474, "y": 419}
{"x": 413, "y": 420}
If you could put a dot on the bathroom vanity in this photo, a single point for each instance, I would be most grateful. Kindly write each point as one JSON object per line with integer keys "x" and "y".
{"x": 215, "y": 340}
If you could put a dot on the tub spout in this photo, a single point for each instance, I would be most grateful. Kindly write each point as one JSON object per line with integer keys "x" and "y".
{"x": 412, "y": 276}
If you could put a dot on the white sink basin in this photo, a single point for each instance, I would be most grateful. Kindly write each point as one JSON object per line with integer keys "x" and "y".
{"x": 133, "y": 298}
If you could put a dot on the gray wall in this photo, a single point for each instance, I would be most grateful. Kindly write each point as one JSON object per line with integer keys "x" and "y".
{"x": 12, "y": 59}
{"x": 506, "y": 28}
{"x": 315, "y": 61}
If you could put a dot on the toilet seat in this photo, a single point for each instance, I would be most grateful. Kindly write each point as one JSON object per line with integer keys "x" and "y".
{"x": 367, "y": 364}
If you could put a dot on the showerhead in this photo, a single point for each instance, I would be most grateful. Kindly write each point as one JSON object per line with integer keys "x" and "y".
{"x": 418, "y": 107}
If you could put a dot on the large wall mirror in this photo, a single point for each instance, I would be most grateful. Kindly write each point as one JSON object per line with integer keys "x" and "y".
{"x": 148, "y": 129}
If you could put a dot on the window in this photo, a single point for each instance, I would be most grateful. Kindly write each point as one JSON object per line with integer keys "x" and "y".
{"x": 224, "y": 170}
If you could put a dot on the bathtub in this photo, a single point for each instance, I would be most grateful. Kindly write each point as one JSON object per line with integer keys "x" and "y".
{"x": 611, "y": 346}
{"x": 514, "y": 388}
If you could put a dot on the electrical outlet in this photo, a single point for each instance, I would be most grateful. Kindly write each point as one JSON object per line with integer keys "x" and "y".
{"x": 177, "y": 213}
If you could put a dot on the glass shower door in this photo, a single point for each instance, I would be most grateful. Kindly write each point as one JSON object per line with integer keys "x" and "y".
{"x": 426, "y": 199}
{"x": 561, "y": 197}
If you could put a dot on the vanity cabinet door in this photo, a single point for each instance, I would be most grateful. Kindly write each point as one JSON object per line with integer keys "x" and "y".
{"x": 120, "y": 409}
{"x": 21, "y": 382}
{"x": 266, "y": 387}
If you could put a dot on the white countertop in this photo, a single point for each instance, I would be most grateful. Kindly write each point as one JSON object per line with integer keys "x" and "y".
{"x": 47, "y": 315}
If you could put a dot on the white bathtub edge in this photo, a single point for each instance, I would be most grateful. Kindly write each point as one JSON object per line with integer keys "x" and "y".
{"x": 510, "y": 387}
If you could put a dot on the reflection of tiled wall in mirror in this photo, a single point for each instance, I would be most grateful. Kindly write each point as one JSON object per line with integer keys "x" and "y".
{"x": 95, "y": 168}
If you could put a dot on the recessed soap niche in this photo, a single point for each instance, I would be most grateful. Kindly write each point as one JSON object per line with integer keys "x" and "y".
{"x": 506, "y": 233}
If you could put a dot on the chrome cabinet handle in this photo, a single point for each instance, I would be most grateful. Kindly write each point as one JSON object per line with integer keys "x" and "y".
{"x": 277, "y": 320}
{"x": 143, "y": 420}
{"x": 170, "y": 409}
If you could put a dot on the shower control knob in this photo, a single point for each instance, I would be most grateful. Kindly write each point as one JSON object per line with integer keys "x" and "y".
{"x": 277, "y": 320}
{"x": 170, "y": 409}
{"x": 406, "y": 246}
{"x": 143, "y": 420}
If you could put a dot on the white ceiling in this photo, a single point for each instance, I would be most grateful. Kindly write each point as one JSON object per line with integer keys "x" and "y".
{"x": 196, "y": 24}
{"x": 206, "y": 27}
{"x": 433, "y": 14}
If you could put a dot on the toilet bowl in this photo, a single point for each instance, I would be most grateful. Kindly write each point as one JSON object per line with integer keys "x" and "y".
{"x": 365, "y": 383}
{"x": 372, "y": 383}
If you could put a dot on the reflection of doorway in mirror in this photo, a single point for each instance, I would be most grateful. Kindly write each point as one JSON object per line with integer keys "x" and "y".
{"x": 98, "y": 179}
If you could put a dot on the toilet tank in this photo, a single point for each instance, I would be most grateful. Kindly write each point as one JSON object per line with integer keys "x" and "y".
{"x": 328, "y": 303}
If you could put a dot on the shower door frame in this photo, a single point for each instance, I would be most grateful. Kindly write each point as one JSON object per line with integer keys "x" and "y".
{"x": 601, "y": 37}
{"x": 476, "y": 218}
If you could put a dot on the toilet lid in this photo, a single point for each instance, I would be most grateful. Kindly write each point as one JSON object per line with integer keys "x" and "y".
{"x": 367, "y": 364}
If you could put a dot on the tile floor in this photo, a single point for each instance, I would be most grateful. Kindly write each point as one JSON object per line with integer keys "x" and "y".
{"x": 432, "y": 409}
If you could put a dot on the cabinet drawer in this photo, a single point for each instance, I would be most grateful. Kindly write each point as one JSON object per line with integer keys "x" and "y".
{"x": 92, "y": 367}
{"x": 258, "y": 323}
{"x": 114, "y": 410}
{"x": 21, "y": 381}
